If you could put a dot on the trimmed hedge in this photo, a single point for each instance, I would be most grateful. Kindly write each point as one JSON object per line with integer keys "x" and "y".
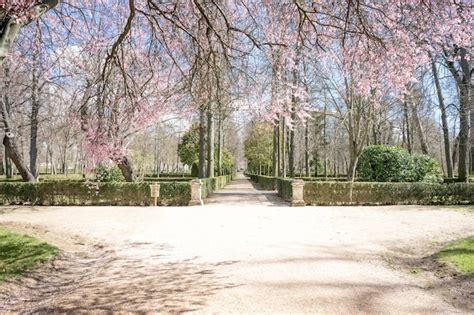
{"x": 80, "y": 193}
{"x": 167, "y": 179}
{"x": 173, "y": 175}
{"x": 209, "y": 185}
{"x": 338, "y": 193}
{"x": 265, "y": 182}
{"x": 284, "y": 188}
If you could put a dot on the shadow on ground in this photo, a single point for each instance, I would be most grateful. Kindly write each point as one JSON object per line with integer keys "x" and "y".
{"x": 101, "y": 280}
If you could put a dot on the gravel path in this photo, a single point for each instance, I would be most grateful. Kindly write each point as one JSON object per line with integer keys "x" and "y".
{"x": 244, "y": 251}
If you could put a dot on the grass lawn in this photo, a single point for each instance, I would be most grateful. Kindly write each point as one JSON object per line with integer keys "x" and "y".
{"x": 19, "y": 253}
{"x": 460, "y": 254}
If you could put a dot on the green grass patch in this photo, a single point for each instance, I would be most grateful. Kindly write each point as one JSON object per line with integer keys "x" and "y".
{"x": 19, "y": 253}
{"x": 460, "y": 254}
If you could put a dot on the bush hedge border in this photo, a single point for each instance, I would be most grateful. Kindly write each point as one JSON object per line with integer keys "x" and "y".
{"x": 330, "y": 193}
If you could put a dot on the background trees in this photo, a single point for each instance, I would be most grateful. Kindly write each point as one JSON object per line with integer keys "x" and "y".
{"x": 90, "y": 82}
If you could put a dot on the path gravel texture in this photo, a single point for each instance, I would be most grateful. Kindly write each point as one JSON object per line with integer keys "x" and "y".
{"x": 245, "y": 251}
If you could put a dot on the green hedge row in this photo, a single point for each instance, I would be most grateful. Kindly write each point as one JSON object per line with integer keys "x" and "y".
{"x": 167, "y": 179}
{"x": 284, "y": 188}
{"x": 211, "y": 184}
{"x": 338, "y": 193}
{"x": 80, "y": 193}
{"x": 265, "y": 182}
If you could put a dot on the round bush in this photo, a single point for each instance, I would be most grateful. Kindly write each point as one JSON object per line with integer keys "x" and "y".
{"x": 108, "y": 174}
{"x": 382, "y": 163}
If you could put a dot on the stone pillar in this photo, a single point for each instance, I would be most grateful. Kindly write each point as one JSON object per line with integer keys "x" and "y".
{"x": 196, "y": 193}
{"x": 297, "y": 200}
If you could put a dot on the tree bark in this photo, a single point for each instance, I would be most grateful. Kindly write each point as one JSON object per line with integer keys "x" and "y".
{"x": 283, "y": 147}
{"x": 11, "y": 149}
{"x": 444, "y": 121}
{"x": 291, "y": 152}
{"x": 306, "y": 149}
{"x": 220, "y": 145}
{"x": 407, "y": 126}
{"x": 210, "y": 143}
{"x": 421, "y": 134}
{"x": 35, "y": 106}
{"x": 276, "y": 158}
{"x": 14, "y": 154}
{"x": 202, "y": 144}
{"x": 125, "y": 165}
{"x": 8, "y": 166}
{"x": 2, "y": 167}
{"x": 463, "y": 81}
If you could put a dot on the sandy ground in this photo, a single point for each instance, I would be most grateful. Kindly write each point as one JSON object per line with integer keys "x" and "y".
{"x": 245, "y": 251}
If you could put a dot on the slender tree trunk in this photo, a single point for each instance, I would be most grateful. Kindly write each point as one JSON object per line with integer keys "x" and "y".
{"x": 306, "y": 149}
{"x": 2, "y": 167}
{"x": 220, "y": 147}
{"x": 407, "y": 126}
{"x": 8, "y": 166}
{"x": 275, "y": 159}
{"x": 202, "y": 143}
{"x": 471, "y": 101}
{"x": 444, "y": 120}
{"x": 34, "y": 127}
{"x": 291, "y": 152}
{"x": 421, "y": 134}
{"x": 210, "y": 143}
{"x": 35, "y": 104}
{"x": 283, "y": 148}
{"x": 125, "y": 165}
{"x": 464, "y": 116}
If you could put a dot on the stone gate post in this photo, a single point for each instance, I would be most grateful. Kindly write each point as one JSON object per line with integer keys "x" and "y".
{"x": 297, "y": 199}
{"x": 196, "y": 199}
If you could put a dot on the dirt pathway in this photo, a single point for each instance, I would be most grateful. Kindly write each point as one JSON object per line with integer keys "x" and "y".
{"x": 243, "y": 192}
{"x": 234, "y": 256}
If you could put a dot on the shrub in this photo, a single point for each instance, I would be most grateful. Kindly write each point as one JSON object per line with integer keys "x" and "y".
{"x": 267, "y": 182}
{"x": 84, "y": 193}
{"x": 382, "y": 163}
{"x": 284, "y": 188}
{"x": 338, "y": 193}
{"x": 209, "y": 185}
{"x": 108, "y": 174}
{"x": 426, "y": 169}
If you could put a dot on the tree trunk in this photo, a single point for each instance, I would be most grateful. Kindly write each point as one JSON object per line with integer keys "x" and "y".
{"x": 463, "y": 81}
{"x": 11, "y": 149}
{"x": 421, "y": 135}
{"x": 306, "y": 149}
{"x": 283, "y": 148}
{"x": 14, "y": 154}
{"x": 8, "y": 166}
{"x": 125, "y": 166}
{"x": 275, "y": 159}
{"x": 220, "y": 146}
{"x": 2, "y": 167}
{"x": 210, "y": 143}
{"x": 464, "y": 116}
{"x": 407, "y": 126}
{"x": 471, "y": 97}
{"x": 444, "y": 121}
{"x": 34, "y": 127}
{"x": 202, "y": 144}
{"x": 291, "y": 153}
